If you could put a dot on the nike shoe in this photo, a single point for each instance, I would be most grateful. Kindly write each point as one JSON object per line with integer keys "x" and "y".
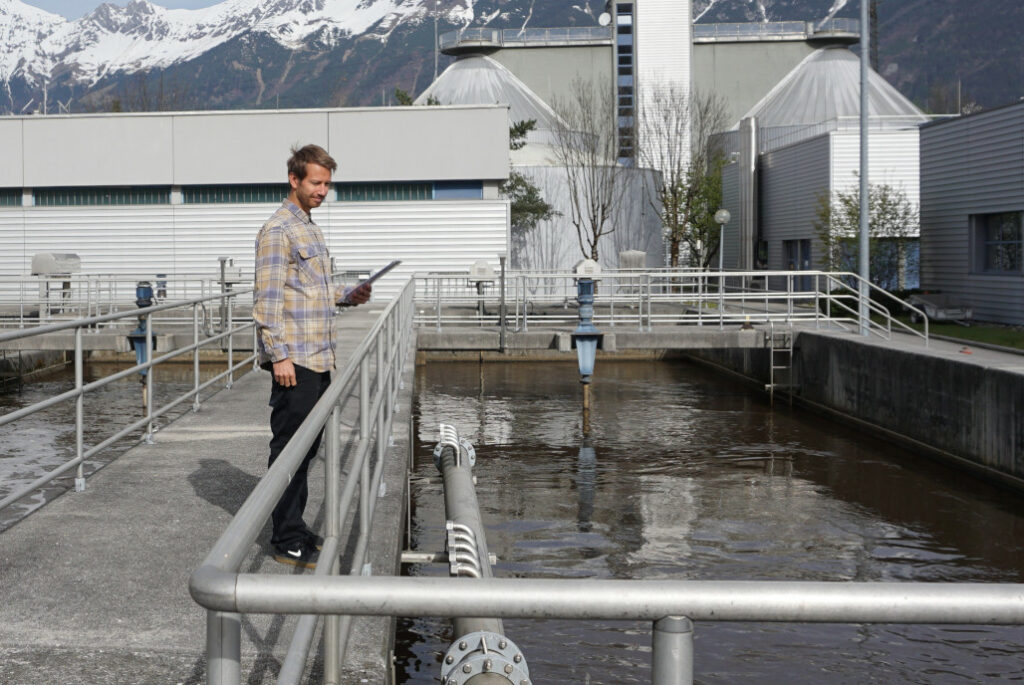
{"x": 314, "y": 540}
{"x": 302, "y": 554}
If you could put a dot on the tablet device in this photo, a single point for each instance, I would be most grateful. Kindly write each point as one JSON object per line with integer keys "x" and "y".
{"x": 378, "y": 274}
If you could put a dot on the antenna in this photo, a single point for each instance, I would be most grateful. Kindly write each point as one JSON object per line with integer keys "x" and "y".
{"x": 64, "y": 107}
{"x": 27, "y": 105}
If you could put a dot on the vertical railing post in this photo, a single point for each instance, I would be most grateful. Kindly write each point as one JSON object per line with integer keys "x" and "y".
{"x": 332, "y": 623}
{"x": 148, "y": 319}
{"x": 195, "y": 357}
{"x": 700, "y": 300}
{"x": 79, "y": 411}
{"x": 231, "y": 345}
{"x": 721, "y": 299}
{"x": 437, "y": 286}
{"x": 789, "y": 297}
{"x": 364, "y": 434}
{"x": 223, "y": 648}
{"x": 672, "y": 651}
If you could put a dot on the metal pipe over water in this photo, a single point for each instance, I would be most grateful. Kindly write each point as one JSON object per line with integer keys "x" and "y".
{"x": 481, "y": 654}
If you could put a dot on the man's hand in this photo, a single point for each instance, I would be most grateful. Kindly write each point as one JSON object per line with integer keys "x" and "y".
{"x": 360, "y": 295}
{"x": 284, "y": 373}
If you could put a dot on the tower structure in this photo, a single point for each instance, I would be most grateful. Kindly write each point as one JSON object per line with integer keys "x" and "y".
{"x": 654, "y": 50}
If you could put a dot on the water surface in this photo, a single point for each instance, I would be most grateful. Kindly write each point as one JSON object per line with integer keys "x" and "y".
{"x": 685, "y": 474}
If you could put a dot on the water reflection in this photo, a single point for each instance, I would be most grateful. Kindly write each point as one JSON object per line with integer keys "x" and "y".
{"x": 43, "y": 441}
{"x": 684, "y": 474}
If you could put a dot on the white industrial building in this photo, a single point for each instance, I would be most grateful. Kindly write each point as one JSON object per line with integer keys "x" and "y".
{"x": 801, "y": 143}
{"x": 169, "y": 193}
{"x": 553, "y": 244}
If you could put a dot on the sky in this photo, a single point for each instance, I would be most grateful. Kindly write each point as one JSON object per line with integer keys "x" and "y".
{"x": 73, "y": 9}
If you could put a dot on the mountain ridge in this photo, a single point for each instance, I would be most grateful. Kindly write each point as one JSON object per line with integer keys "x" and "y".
{"x": 135, "y": 56}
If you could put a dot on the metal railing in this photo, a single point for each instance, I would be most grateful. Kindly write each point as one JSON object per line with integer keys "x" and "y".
{"x": 33, "y": 300}
{"x": 83, "y": 328}
{"x": 371, "y": 378}
{"x": 506, "y": 37}
{"x": 773, "y": 30}
{"x": 643, "y": 299}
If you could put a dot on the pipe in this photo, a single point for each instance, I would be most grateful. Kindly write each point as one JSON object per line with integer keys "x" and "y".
{"x": 462, "y": 509}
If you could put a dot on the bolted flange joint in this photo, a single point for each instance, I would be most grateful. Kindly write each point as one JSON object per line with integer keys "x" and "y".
{"x": 484, "y": 652}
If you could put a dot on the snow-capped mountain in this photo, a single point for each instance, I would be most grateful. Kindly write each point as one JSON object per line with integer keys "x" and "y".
{"x": 307, "y": 53}
{"x": 142, "y": 36}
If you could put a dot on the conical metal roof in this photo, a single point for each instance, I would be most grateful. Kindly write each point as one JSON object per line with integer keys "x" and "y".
{"x": 826, "y": 86}
{"x": 480, "y": 80}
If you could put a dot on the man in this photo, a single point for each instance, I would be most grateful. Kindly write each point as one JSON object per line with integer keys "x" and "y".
{"x": 294, "y": 306}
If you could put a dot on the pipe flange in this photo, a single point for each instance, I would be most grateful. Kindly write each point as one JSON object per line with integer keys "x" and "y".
{"x": 484, "y": 652}
{"x": 450, "y": 438}
{"x": 469, "y": 451}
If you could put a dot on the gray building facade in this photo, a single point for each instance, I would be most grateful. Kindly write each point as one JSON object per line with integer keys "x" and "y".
{"x": 972, "y": 204}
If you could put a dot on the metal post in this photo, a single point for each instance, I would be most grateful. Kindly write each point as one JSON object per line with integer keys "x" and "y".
{"x": 865, "y": 257}
{"x": 501, "y": 305}
{"x": 332, "y": 623}
{"x": 437, "y": 306}
{"x": 364, "y": 434}
{"x": 223, "y": 648}
{"x": 148, "y": 319}
{"x": 79, "y": 411}
{"x": 672, "y": 651}
{"x": 195, "y": 357}
{"x": 231, "y": 346}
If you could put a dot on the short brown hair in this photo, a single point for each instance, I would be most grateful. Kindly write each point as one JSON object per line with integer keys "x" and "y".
{"x": 309, "y": 154}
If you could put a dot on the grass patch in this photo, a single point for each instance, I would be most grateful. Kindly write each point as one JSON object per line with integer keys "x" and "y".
{"x": 991, "y": 334}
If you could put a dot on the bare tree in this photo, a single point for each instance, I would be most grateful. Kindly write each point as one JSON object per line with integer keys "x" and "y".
{"x": 892, "y": 226}
{"x": 677, "y": 132}
{"x": 586, "y": 147}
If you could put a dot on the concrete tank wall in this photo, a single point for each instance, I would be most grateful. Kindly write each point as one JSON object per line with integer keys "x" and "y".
{"x": 958, "y": 409}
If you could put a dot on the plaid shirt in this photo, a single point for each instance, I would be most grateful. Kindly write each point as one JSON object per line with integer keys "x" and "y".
{"x": 294, "y": 301}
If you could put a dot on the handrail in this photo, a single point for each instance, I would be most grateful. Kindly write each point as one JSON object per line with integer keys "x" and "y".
{"x": 384, "y": 347}
{"x": 644, "y": 298}
{"x": 146, "y": 320}
{"x": 218, "y": 585}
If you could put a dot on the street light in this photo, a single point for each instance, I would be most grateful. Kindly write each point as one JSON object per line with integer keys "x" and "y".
{"x": 722, "y": 217}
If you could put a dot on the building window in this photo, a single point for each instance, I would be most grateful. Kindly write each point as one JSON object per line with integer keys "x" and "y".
{"x": 236, "y": 194}
{"x": 102, "y": 195}
{"x": 458, "y": 190}
{"x": 10, "y": 197}
{"x": 384, "y": 192}
{"x": 999, "y": 242}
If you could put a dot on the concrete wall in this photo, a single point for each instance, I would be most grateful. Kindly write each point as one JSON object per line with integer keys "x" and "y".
{"x": 949, "y": 407}
{"x": 969, "y": 166}
{"x": 370, "y": 144}
{"x": 743, "y": 73}
{"x": 550, "y": 71}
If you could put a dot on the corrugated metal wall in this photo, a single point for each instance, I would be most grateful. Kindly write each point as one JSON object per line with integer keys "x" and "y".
{"x": 973, "y": 165}
{"x": 731, "y": 201}
{"x": 792, "y": 180}
{"x": 893, "y": 159}
{"x": 187, "y": 239}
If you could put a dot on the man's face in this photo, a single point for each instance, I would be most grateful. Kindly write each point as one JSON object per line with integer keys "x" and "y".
{"x": 311, "y": 191}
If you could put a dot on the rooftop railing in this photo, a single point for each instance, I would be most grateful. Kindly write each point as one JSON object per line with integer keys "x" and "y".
{"x": 773, "y": 30}
{"x": 515, "y": 37}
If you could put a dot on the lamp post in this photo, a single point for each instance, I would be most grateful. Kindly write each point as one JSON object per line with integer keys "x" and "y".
{"x": 722, "y": 217}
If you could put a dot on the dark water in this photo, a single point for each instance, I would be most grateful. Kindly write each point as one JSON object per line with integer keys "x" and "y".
{"x": 687, "y": 475}
{"x": 43, "y": 441}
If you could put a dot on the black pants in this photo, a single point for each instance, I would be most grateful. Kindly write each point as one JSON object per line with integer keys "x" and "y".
{"x": 290, "y": 407}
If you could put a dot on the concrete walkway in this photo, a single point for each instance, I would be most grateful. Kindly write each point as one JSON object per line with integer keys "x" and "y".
{"x": 95, "y": 584}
